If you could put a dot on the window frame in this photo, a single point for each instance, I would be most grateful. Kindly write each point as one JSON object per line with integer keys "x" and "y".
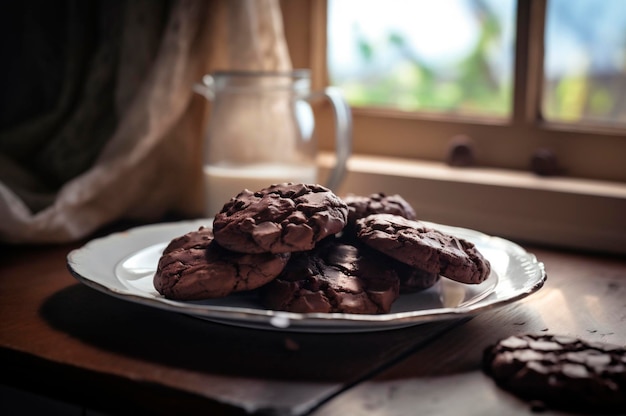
{"x": 582, "y": 209}
{"x": 584, "y": 151}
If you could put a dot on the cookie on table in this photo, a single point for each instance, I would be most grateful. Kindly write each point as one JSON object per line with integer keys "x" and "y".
{"x": 433, "y": 251}
{"x": 279, "y": 219}
{"x": 196, "y": 267}
{"x": 378, "y": 203}
{"x": 334, "y": 277}
{"x": 560, "y": 372}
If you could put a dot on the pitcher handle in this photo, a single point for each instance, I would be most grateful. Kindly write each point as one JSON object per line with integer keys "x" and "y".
{"x": 343, "y": 132}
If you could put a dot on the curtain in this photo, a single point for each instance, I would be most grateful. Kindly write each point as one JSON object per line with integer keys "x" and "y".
{"x": 99, "y": 121}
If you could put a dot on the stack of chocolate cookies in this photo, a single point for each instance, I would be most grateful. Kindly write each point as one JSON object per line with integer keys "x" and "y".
{"x": 303, "y": 249}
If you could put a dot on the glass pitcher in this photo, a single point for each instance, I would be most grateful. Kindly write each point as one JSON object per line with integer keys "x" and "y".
{"x": 261, "y": 132}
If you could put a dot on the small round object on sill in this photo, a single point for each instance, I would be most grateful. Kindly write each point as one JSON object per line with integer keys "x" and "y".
{"x": 461, "y": 151}
{"x": 544, "y": 162}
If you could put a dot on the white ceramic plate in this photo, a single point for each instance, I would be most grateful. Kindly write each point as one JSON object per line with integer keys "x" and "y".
{"x": 123, "y": 264}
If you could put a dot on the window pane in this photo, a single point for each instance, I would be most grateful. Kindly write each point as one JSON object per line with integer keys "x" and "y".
{"x": 453, "y": 56}
{"x": 585, "y": 61}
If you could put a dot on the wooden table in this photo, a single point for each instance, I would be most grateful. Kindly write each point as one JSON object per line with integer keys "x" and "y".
{"x": 62, "y": 340}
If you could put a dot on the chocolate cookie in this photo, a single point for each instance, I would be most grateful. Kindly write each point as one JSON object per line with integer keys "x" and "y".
{"x": 379, "y": 203}
{"x": 561, "y": 372}
{"x": 334, "y": 277}
{"x": 433, "y": 251}
{"x": 279, "y": 219}
{"x": 194, "y": 239}
{"x": 412, "y": 279}
{"x": 196, "y": 267}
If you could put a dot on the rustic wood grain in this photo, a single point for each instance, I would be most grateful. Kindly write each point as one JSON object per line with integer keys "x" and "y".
{"x": 64, "y": 340}
{"x": 584, "y": 296}
{"x": 67, "y": 341}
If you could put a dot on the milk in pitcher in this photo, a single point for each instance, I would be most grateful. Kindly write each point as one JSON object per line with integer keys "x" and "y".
{"x": 222, "y": 183}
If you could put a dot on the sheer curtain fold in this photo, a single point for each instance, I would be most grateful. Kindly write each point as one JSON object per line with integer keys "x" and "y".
{"x": 151, "y": 128}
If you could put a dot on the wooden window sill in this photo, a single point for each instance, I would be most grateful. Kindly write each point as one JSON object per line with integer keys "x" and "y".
{"x": 556, "y": 211}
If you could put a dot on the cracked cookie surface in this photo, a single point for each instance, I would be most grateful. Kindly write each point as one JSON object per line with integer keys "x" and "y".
{"x": 279, "y": 219}
{"x": 195, "y": 239}
{"x": 561, "y": 372}
{"x": 334, "y": 277}
{"x": 378, "y": 203}
{"x": 413, "y": 243}
{"x": 195, "y": 267}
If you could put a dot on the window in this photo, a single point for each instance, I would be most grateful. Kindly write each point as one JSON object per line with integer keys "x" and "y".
{"x": 532, "y": 121}
{"x": 585, "y": 62}
{"x": 449, "y": 56}
{"x": 402, "y": 142}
